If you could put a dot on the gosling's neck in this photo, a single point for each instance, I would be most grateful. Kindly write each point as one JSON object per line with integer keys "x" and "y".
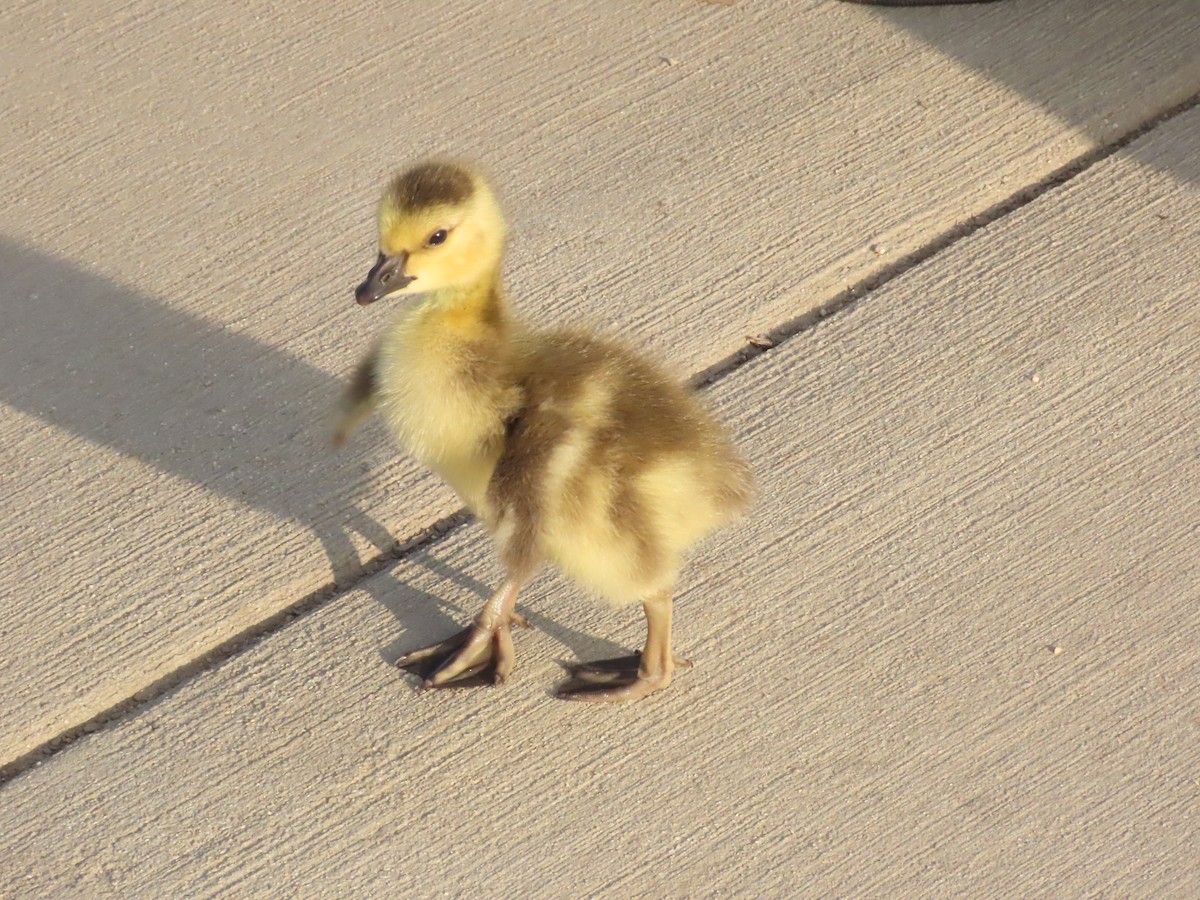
{"x": 475, "y": 310}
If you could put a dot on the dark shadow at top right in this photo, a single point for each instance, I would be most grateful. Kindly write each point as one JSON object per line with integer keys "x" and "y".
{"x": 1104, "y": 67}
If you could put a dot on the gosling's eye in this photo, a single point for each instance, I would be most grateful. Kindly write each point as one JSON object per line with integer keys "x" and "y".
{"x": 438, "y": 237}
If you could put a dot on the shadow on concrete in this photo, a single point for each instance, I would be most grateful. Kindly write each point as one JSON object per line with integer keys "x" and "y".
{"x": 186, "y": 396}
{"x": 1060, "y": 53}
{"x": 432, "y": 618}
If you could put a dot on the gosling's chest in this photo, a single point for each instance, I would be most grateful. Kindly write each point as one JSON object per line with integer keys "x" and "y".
{"x": 444, "y": 401}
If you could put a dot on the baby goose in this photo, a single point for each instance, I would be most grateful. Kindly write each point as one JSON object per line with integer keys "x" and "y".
{"x": 569, "y": 449}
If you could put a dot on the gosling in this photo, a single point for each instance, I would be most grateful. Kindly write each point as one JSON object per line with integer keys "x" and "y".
{"x": 570, "y": 449}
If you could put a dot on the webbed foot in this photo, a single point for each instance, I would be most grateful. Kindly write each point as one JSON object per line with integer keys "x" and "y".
{"x": 474, "y": 656}
{"x": 617, "y": 680}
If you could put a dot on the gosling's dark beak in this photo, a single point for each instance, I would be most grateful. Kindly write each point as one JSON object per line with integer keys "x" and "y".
{"x": 386, "y": 276}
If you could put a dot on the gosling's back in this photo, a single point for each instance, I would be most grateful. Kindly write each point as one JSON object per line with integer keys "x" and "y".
{"x": 617, "y": 463}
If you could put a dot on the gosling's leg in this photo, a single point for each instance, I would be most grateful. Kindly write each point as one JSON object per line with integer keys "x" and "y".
{"x": 478, "y": 654}
{"x": 630, "y": 677}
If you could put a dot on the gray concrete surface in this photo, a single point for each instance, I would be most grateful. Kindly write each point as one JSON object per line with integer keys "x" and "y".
{"x": 992, "y": 457}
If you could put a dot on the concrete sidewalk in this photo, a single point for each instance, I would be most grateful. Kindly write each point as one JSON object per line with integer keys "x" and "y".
{"x": 953, "y": 651}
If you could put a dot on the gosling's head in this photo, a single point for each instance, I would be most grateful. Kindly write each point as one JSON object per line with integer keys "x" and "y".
{"x": 439, "y": 227}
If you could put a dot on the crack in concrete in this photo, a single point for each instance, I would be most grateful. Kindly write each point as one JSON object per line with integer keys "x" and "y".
{"x": 843, "y": 301}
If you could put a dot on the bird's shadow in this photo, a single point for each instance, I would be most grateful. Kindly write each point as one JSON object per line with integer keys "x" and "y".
{"x": 428, "y": 617}
{"x": 183, "y": 394}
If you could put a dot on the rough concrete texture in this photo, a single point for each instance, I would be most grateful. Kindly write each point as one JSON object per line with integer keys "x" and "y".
{"x": 953, "y": 651}
{"x": 189, "y": 204}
